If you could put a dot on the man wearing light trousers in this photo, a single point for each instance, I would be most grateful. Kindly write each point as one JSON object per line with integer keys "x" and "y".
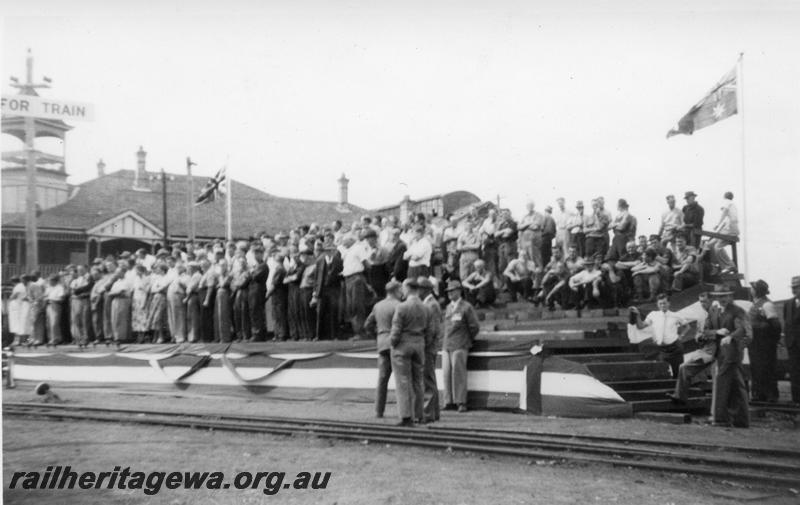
{"x": 461, "y": 328}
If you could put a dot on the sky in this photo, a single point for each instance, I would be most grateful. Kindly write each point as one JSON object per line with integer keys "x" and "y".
{"x": 517, "y": 100}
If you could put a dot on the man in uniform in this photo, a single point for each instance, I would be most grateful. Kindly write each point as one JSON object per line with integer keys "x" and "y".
{"x": 732, "y": 330}
{"x": 412, "y": 327}
{"x": 791, "y": 331}
{"x": 378, "y": 326}
{"x": 430, "y": 407}
{"x": 461, "y": 328}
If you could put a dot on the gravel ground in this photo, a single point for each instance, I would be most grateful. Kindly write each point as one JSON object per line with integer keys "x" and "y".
{"x": 361, "y": 473}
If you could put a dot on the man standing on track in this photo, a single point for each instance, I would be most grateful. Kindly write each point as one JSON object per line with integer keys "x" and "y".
{"x": 461, "y": 328}
{"x": 379, "y": 326}
{"x": 412, "y": 327}
{"x": 791, "y": 330}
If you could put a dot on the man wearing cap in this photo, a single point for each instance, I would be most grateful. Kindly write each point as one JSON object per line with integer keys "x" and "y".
{"x": 698, "y": 360}
{"x": 412, "y": 328}
{"x": 732, "y": 330}
{"x": 460, "y": 329}
{"x": 668, "y": 329}
{"x": 791, "y": 331}
{"x": 671, "y": 221}
{"x": 327, "y": 289}
{"x": 379, "y": 326}
{"x": 430, "y": 405}
{"x": 693, "y": 215}
{"x": 763, "y": 350}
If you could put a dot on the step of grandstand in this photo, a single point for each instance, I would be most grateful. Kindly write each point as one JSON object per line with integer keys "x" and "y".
{"x": 615, "y": 357}
{"x": 699, "y": 405}
{"x": 628, "y": 370}
{"x": 657, "y": 394}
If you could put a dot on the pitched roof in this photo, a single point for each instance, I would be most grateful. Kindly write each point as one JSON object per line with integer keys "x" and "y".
{"x": 100, "y": 199}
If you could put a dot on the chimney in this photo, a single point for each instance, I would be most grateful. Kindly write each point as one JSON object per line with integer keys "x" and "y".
{"x": 101, "y": 168}
{"x": 141, "y": 172}
{"x": 343, "y": 189}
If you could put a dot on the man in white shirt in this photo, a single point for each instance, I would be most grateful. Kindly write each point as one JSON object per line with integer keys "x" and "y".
{"x": 418, "y": 254}
{"x": 728, "y": 225}
{"x": 671, "y": 221}
{"x": 562, "y": 218}
{"x": 668, "y": 328}
{"x": 355, "y": 262}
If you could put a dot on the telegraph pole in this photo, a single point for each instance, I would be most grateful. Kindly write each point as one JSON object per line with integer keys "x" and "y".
{"x": 31, "y": 238}
{"x": 190, "y": 203}
{"x": 163, "y": 177}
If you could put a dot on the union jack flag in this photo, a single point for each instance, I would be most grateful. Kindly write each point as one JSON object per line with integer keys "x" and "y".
{"x": 213, "y": 188}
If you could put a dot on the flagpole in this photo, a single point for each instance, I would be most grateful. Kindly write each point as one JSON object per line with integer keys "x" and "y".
{"x": 228, "y": 206}
{"x": 745, "y": 228}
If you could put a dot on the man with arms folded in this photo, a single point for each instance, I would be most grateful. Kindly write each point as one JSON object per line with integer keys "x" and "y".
{"x": 379, "y": 326}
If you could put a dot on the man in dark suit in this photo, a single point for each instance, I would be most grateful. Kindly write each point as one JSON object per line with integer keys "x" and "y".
{"x": 791, "y": 332}
{"x": 327, "y": 289}
{"x": 732, "y": 330}
{"x": 378, "y": 326}
{"x": 430, "y": 405}
{"x": 257, "y": 296}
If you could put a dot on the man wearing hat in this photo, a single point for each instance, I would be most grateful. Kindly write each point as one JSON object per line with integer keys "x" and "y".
{"x": 731, "y": 328}
{"x": 430, "y": 406}
{"x": 412, "y": 328}
{"x": 624, "y": 229}
{"x": 379, "y": 326}
{"x": 791, "y": 330}
{"x": 763, "y": 350}
{"x": 693, "y": 215}
{"x": 327, "y": 289}
{"x": 460, "y": 329}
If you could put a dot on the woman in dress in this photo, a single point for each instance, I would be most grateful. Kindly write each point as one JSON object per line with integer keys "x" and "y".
{"x": 139, "y": 303}
{"x": 223, "y": 308}
{"x": 157, "y": 309}
{"x": 176, "y": 306}
{"x": 193, "y": 303}
{"x": 37, "y": 320}
{"x": 120, "y": 295}
{"x": 18, "y": 309}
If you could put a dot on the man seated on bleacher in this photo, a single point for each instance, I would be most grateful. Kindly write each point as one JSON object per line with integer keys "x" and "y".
{"x": 699, "y": 360}
{"x": 620, "y": 271}
{"x": 555, "y": 279}
{"x": 479, "y": 286}
{"x": 647, "y": 277}
{"x": 586, "y": 285}
{"x": 665, "y": 256}
{"x": 686, "y": 269}
{"x": 517, "y": 275}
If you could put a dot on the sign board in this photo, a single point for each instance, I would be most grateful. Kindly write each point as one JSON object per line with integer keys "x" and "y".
{"x": 46, "y": 108}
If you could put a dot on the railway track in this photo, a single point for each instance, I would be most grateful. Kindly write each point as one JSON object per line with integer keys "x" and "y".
{"x": 774, "y": 467}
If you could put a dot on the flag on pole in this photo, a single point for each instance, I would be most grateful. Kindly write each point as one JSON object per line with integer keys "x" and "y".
{"x": 213, "y": 188}
{"x": 718, "y": 104}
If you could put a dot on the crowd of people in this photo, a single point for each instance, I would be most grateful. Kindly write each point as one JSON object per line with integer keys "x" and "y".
{"x": 320, "y": 282}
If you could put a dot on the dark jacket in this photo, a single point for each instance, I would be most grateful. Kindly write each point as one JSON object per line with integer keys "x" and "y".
{"x": 791, "y": 323}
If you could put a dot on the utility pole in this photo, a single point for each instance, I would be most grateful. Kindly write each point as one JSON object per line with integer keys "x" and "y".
{"x": 163, "y": 177}
{"x": 31, "y": 238}
{"x": 190, "y": 198}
